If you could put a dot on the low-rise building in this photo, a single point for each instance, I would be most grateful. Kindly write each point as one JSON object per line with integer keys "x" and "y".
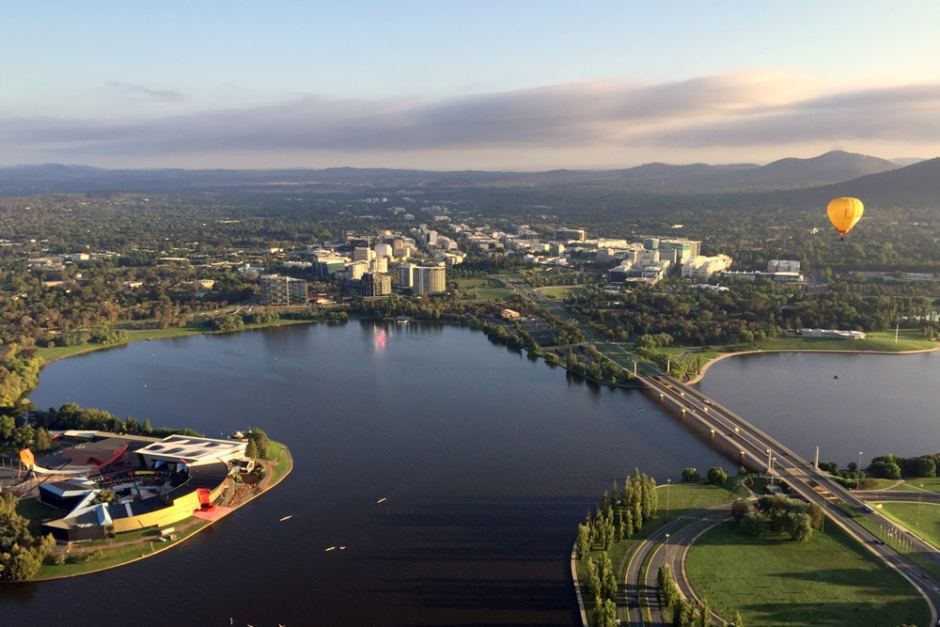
{"x": 703, "y": 268}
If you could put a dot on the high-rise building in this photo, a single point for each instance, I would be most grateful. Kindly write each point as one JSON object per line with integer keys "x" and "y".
{"x": 363, "y": 253}
{"x": 356, "y": 269}
{"x": 280, "y": 290}
{"x": 406, "y": 276}
{"x": 430, "y": 280}
{"x": 379, "y": 264}
{"x": 375, "y": 284}
{"x": 383, "y": 250}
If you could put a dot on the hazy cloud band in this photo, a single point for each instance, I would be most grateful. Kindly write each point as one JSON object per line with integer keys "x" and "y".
{"x": 745, "y": 110}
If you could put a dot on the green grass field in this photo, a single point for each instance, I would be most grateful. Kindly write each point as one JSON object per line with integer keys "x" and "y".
{"x": 558, "y": 292}
{"x": 930, "y": 484}
{"x": 776, "y": 582}
{"x": 921, "y": 518}
{"x": 908, "y": 340}
{"x": 279, "y": 452}
{"x": 483, "y": 289}
{"x": 113, "y": 556}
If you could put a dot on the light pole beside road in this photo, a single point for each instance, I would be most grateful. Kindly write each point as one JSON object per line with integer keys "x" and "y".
{"x": 858, "y": 472}
{"x": 668, "y": 484}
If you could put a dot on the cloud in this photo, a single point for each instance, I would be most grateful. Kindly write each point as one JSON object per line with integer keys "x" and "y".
{"x": 147, "y": 93}
{"x": 750, "y": 110}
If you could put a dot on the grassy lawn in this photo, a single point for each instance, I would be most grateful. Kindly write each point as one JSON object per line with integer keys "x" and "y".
{"x": 909, "y": 339}
{"x": 558, "y": 292}
{"x": 683, "y": 498}
{"x": 483, "y": 289}
{"x": 282, "y": 459}
{"x": 930, "y": 484}
{"x": 114, "y": 556}
{"x": 774, "y": 581}
{"x": 136, "y": 335}
{"x": 921, "y": 518}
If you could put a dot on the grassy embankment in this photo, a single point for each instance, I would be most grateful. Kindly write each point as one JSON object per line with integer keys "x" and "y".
{"x": 135, "y": 335}
{"x": 683, "y": 498}
{"x": 776, "y": 582}
{"x": 921, "y": 518}
{"x": 483, "y": 289}
{"x": 128, "y": 547}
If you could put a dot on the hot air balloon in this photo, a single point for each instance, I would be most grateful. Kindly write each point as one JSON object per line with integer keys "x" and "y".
{"x": 844, "y": 213}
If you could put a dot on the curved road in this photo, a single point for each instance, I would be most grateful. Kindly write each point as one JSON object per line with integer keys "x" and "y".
{"x": 672, "y": 552}
{"x": 757, "y": 449}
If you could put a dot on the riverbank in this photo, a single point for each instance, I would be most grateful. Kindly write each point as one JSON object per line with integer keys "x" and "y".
{"x": 56, "y": 353}
{"x": 98, "y": 556}
{"x": 815, "y": 345}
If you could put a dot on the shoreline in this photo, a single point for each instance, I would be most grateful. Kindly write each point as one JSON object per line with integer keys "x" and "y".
{"x": 714, "y": 360}
{"x": 165, "y": 334}
{"x": 287, "y": 471}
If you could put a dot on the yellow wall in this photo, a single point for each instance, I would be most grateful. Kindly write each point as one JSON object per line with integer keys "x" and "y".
{"x": 181, "y": 509}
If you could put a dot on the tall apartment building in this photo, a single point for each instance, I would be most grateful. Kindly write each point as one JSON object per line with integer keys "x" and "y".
{"x": 375, "y": 284}
{"x": 429, "y": 280}
{"x": 283, "y": 290}
{"x": 406, "y": 276}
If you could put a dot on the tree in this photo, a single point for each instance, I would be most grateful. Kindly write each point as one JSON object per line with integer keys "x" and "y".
{"x": 740, "y": 508}
{"x": 608, "y": 614}
{"x": 705, "y": 614}
{"x": 583, "y": 545}
{"x": 23, "y": 436}
{"x": 801, "y": 527}
{"x": 717, "y": 475}
{"x": 751, "y": 524}
{"x": 251, "y": 450}
{"x": 7, "y": 425}
{"x": 260, "y": 438}
{"x": 21, "y": 553}
{"x": 690, "y": 474}
{"x": 42, "y": 441}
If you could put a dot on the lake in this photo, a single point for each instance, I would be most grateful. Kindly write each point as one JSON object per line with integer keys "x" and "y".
{"x": 842, "y": 403}
{"x": 488, "y": 461}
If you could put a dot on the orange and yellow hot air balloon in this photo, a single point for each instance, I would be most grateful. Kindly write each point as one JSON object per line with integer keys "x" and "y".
{"x": 844, "y": 213}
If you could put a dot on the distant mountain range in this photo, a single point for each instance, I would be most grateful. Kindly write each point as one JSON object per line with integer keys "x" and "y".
{"x": 784, "y": 182}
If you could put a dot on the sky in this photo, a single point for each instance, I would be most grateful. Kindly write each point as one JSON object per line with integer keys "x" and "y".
{"x": 514, "y": 84}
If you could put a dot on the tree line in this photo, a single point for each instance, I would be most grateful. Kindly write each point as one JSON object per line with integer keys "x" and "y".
{"x": 620, "y": 514}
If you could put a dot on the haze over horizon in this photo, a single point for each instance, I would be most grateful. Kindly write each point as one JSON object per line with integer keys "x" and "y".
{"x": 465, "y": 85}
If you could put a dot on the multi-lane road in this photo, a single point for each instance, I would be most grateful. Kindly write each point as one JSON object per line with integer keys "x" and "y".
{"x": 758, "y": 450}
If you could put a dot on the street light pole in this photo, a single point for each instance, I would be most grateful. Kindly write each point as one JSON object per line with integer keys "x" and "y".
{"x": 668, "y": 484}
{"x": 858, "y": 472}
{"x": 920, "y": 499}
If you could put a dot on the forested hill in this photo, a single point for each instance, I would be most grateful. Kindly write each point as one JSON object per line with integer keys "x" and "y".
{"x": 650, "y": 178}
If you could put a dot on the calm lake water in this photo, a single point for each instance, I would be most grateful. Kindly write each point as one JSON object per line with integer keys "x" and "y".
{"x": 878, "y": 404}
{"x": 488, "y": 461}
